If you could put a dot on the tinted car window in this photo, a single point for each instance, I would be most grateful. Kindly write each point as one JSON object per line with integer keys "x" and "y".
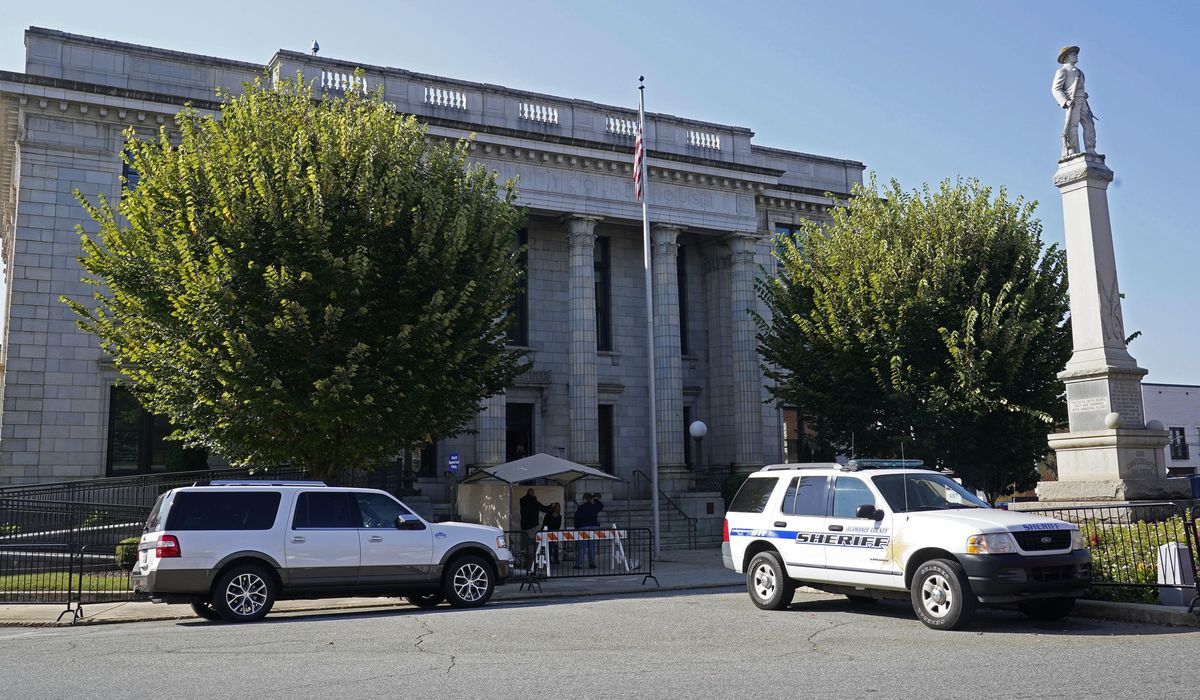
{"x": 848, "y": 494}
{"x": 316, "y": 509}
{"x": 805, "y": 496}
{"x": 223, "y": 510}
{"x": 753, "y": 496}
{"x": 378, "y": 511}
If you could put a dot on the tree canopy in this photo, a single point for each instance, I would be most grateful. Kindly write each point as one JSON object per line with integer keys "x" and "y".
{"x": 305, "y": 281}
{"x": 931, "y": 323}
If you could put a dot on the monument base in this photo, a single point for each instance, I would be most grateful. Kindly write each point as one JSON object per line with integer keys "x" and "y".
{"x": 1119, "y": 464}
{"x": 1080, "y": 492}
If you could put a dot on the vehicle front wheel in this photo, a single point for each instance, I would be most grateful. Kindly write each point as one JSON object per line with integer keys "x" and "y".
{"x": 468, "y": 582}
{"x": 244, "y": 593}
{"x": 204, "y": 608}
{"x": 768, "y": 582}
{"x": 941, "y": 595}
{"x": 1047, "y": 609}
{"x": 425, "y": 600}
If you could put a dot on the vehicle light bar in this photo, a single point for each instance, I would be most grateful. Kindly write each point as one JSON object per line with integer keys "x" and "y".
{"x": 858, "y": 464}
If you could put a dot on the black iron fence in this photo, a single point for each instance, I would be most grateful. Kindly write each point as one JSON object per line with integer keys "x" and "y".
{"x": 1138, "y": 549}
{"x": 560, "y": 554}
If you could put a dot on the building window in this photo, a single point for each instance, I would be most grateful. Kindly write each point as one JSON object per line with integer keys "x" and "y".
{"x": 798, "y": 438}
{"x": 518, "y": 332}
{"x": 681, "y": 278}
{"x": 604, "y": 433}
{"x": 788, "y": 230}
{"x": 602, "y": 269}
{"x": 1179, "y": 448}
{"x": 132, "y": 176}
{"x": 136, "y": 443}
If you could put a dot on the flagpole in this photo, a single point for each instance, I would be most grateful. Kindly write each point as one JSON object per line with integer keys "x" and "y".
{"x": 646, "y": 263}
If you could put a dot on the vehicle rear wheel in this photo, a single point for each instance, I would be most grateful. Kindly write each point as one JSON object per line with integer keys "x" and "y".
{"x": 425, "y": 600}
{"x": 1047, "y": 608}
{"x": 244, "y": 593}
{"x": 204, "y": 608}
{"x": 768, "y": 582}
{"x": 941, "y": 595}
{"x": 468, "y": 582}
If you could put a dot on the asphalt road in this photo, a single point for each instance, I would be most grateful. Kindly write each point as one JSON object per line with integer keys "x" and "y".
{"x": 688, "y": 644}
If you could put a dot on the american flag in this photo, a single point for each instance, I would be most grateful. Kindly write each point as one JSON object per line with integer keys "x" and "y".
{"x": 639, "y": 155}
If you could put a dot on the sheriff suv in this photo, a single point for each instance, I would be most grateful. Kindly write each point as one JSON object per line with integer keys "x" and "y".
{"x": 873, "y": 529}
{"x": 231, "y": 549}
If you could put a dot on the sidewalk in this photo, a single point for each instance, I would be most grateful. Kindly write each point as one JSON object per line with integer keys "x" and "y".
{"x": 677, "y": 570}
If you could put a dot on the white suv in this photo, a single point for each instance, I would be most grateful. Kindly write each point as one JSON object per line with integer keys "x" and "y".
{"x": 874, "y": 529}
{"x": 232, "y": 549}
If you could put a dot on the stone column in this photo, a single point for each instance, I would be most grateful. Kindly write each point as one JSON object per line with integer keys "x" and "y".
{"x": 581, "y": 246}
{"x": 1109, "y": 453}
{"x": 668, "y": 365}
{"x": 747, "y": 371}
{"x": 491, "y": 440}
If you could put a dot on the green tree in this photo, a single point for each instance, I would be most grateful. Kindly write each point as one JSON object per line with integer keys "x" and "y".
{"x": 305, "y": 280}
{"x": 931, "y": 323}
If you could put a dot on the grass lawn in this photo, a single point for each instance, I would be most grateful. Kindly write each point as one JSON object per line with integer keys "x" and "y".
{"x": 117, "y": 581}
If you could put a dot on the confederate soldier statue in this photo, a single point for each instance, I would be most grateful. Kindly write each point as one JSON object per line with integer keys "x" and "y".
{"x": 1070, "y": 95}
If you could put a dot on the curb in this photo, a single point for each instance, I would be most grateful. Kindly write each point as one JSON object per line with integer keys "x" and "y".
{"x": 1140, "y": 613}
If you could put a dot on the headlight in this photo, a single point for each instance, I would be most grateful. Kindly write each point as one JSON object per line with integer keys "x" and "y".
{"x": 996, "y": 543}
{"x": 501, "y": 543}
{"x": 1077, "y": 541}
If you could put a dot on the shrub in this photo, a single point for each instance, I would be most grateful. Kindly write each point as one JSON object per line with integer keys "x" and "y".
{"x": 1127, "y": 553}
{"x": 127, "y": 553}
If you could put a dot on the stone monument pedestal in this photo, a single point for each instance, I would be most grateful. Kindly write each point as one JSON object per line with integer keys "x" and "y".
{"x": 1110, "y": 453}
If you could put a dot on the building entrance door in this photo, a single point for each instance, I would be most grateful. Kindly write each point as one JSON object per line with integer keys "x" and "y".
{"x": 518, "y": 430}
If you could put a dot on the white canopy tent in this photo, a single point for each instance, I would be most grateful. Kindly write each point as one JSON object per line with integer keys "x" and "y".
{"x": 491, "y": 495}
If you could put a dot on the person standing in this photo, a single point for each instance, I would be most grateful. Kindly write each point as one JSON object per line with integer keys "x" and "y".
{"x": 587, "y": 517}
{"x": 1069, "y": 93}
{"x": 531, "y": 508}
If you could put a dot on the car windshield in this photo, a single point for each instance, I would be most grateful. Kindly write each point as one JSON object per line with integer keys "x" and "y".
{"x": 909, "y": 492}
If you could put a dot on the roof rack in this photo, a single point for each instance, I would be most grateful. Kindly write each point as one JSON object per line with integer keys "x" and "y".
{"x": 801, "y": 465}
{"x": 264, "y": 482}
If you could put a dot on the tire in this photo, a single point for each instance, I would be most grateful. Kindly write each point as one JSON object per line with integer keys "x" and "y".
{"x": 768, "y": 583}
{"x": 244, "y": 593}
{"x": 204, "y": 608}
{"x": 1047, "y": 609}
{"x": 941, "y": 595}
{"x": 468, "y": 581}
{"x": 425, "y": 600}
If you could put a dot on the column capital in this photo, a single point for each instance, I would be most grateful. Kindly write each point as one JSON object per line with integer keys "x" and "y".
{"x": 664, "y": 240}
{"x": 743, "y": 246}
{"x": 581, "y": 230}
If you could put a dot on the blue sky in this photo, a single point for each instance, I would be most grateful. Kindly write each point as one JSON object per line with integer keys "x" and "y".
{"x": 919, "y": 91}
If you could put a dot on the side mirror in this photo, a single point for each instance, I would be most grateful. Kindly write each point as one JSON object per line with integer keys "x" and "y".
{"x": 868, "y": 512}
{"x": 402, "y": 524}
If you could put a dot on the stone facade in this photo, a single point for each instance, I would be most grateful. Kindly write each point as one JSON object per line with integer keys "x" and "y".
{"x": 715, "y": 199}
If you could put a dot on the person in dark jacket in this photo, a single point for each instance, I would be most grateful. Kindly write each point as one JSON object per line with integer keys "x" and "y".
{"x": 587, "y": 517}
{"x": 531, "y": 508}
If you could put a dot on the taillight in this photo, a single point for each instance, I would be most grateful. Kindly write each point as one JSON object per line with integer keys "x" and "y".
{"x": 168, "y": 546}
{"x": 725, "y": 530}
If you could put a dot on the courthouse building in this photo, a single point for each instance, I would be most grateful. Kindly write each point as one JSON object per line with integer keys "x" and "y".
{"x": 716, "y": 200}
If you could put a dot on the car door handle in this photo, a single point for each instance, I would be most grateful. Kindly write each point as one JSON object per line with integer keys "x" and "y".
{"x": 298, "y": 540}
{"x": 835, "y": 528}
{"x": 780, "y": 523}
{"x": 374, "y": 538}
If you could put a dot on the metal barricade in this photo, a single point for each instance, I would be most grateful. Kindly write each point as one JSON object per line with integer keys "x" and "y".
{"x": 561, "y": 554}
{"x": 1127, "y": 543}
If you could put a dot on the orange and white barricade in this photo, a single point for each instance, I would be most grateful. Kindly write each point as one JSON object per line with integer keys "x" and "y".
{"x": 541, "y": 557}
